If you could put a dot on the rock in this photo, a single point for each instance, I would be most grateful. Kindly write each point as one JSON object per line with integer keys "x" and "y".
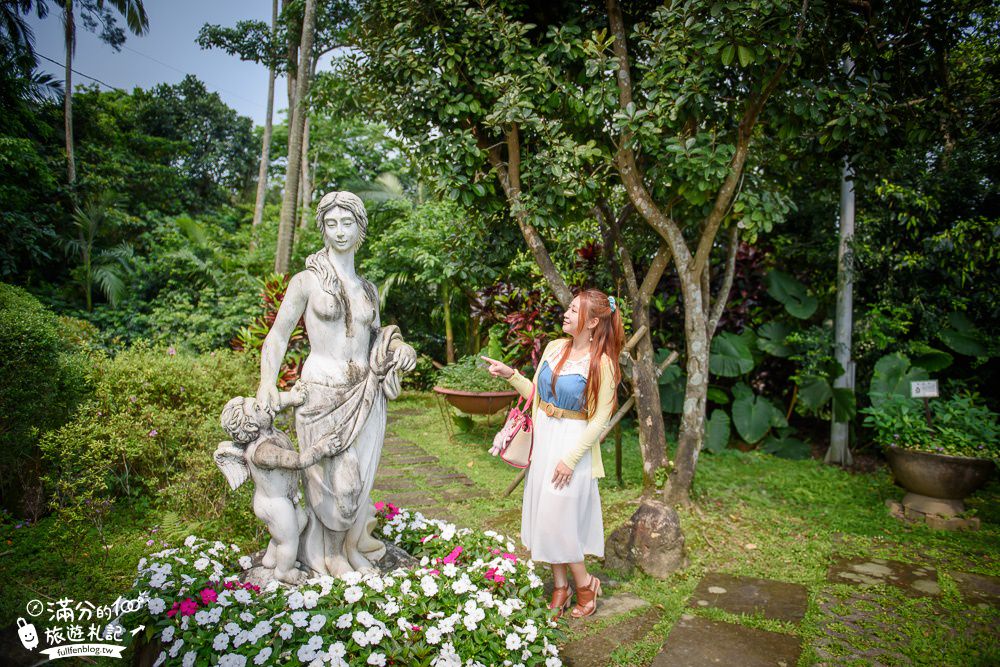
{"x": 395, "y": 558}
{"x": 650, "y": 540}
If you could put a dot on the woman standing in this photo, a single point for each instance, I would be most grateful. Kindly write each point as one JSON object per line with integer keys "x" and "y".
{"x": 575, "y": 394}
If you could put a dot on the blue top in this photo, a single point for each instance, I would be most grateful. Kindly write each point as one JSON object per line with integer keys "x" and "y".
{"x": 570, "y": 388}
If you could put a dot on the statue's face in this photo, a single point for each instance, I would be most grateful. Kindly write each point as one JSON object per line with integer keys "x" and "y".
{"x": 340, "y": 230}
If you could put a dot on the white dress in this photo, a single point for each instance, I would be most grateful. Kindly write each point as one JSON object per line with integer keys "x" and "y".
{"x": 561, "y": 525}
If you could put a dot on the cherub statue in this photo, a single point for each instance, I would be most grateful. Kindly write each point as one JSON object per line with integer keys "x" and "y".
{"x": 265, "y": 454}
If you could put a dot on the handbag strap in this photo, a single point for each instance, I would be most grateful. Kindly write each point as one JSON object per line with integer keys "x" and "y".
{"x": 528, "y": 403}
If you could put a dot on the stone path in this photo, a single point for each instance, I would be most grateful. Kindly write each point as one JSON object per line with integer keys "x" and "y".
{"x": 410, "y": 477}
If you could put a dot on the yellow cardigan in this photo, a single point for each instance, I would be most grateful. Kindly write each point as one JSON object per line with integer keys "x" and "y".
{"x": 599, "y": 416}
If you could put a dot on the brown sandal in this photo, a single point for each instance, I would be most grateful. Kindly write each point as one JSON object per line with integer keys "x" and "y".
{"x": 586, "y": 598}
{"x": 560, "y": 600}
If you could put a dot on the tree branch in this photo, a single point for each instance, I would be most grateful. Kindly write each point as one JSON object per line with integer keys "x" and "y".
{"x": 722, "y": 296}
{"x": 660, "y": 261}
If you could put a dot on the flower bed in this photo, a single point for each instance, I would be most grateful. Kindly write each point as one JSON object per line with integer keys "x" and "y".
{"x": 469, "y": 602}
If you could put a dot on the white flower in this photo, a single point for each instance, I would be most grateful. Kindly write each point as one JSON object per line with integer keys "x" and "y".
{"x": 295, "y": 600}
{"x": 448, "y": 657}
{"x": 360, "y": 638}
{"x": 316, "y": 622}
{"x": 156, "y": 605}
{"x": 243, "y": 637}
{"x": 337, "y": 650}
{"x": 374, "y": 635}
{"x": 387, "y": 530}
{"x": 352, "y": 594}
{"x": 221, "y": 641}
{"x": 403, "y": 624}
{"x": 448, "y": 532}
{"x": 236, "y": 548}
{"x": 246, "y": 562}
{"x": 189, "y": 658}
{"x": 525, "y": 654}
{"x": 366, "y": 619}
{"x": 158, "y": 580}
{"x": 232, "y": 629}
{"x": 168, "y": 634}
{"x": 344, "y": 621}
{"x": 391, "y": 608}
{"x": 450, "y": 570}
{"x": 232, "y": 660}
{"x": 262, "y": 657}
{"x": 285, "y": 631}
{"x": 405, "y": 587}
{"x": 310, "y": 599}
{"x": 505, "y": 609}
{"x": 176, "y": 648}
{"x": 513, "y": 641}
{"x": 530, "y": 633}
{"x": 433, "y": 635}
{"x": 160, "y": 659}
{"x": 485, "y": 598}
{"x": 189, "y": 540}
{"x": 306, "y": 653}
{"x": 553, "y": 662}
{"x": 246, "y": 617}
{"x": 300, "y": 618}
{"x": 376, "y": 659}
{"x": 351, "y": 578}
{"x": 201, "y": 563}
{"x": 429, "y": 586}
{"x": 462, "y": 585}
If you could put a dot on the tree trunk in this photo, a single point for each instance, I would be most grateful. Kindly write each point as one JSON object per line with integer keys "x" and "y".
{"x": 68, "y": 94}
{"x": 652, "y": 431}
{"x": 306, "y": 179}
{"x": 286, "y": 227}
{"x": 692, "y": 430}
{"x": 449, "y": 333}
{"x": 265, "y": 149}
{"x": 839, "y": 451}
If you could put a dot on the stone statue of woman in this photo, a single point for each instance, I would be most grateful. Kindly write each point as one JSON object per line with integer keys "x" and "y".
{"x": 353, "y": 367}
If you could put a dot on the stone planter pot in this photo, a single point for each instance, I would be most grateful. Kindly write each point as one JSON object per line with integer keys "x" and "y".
{"x": 478, "y": 403}
{"x": 937, "y": 483}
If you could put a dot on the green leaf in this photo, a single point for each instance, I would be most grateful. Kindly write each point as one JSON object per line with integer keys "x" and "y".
{"x": 791, "y": 294}
{"x": 730, "y": 356}
{"x": 814, "y": 392}
{"x": 929, "y": 358}
{"x": 771, "y": 338}
{"x": 754, "y": 416}
{"x": 845, "y": 405}
{"x": 717, "y": 431}
{"x": 727, "y": 54}
{"x": 746, "y": 55}
{"x": 718, "y": 395}
{"x": 672, "y": 390}
{"x": 963, "y": 337}
{"x": 893, "y": 375}
{"x": 787, "y": 448}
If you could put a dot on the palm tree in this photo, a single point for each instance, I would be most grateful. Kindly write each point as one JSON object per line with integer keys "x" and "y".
{"x": 137, "y": 22}
{"x": 108, "y": 268}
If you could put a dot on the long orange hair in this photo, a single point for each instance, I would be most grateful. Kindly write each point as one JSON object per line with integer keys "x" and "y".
{"x": 608, "y": 339}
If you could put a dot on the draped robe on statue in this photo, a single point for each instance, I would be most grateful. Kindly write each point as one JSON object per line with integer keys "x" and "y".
{"x": 338, "y": 488}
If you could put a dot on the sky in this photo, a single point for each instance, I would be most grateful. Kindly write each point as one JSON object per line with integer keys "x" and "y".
{"x": 167, "y": 52}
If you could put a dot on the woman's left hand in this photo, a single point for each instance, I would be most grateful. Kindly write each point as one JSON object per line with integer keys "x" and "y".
{"x": 562, "y": 475}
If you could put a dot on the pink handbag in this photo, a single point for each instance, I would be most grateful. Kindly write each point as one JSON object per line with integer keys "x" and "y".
{"x": 514, "y": 441}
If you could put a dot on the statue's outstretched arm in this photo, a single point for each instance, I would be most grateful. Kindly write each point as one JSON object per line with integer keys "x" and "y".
{"x": 273, "y": 349}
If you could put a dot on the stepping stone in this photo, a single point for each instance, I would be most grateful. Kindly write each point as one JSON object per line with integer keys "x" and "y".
{"x": 410, "y": 501}
{"x": 410, "y": 459}
{"x": 915, "y": 580}
{"x": 394, "y": 484}
{"x": 609, "y": 607}
{"x": 596, "y": 650}
{"x": 978, "y": 589}
{"x": 862, "y": 628}
{"x": 777, "y": 600}
{"x": 699, "y": 642}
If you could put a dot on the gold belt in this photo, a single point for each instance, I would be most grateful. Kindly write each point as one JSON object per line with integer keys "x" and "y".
{"x": 560, "y": 413}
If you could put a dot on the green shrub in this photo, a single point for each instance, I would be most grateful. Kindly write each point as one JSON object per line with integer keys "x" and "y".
{"x": 148, "y": 431}
{"x": 469, "y": 374}
{"x": 43, "y": 376}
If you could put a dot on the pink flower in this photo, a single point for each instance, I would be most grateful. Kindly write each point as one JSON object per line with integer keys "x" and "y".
{"x": 171, "y": 351}
{"x": 152, "y": 433}
{"x": 229, "y": 584}
{"x": 434, "y": 572}
{"x": 453, "y": 556}
{"x": 189, "y": 606}
{"x": 379, "y": 505}
{"x": 491, "y": 573}
{"x": 494, "y": 551}
{"x": 150, "y": 543}
{"x": 209, "y": 595}
{"x": 415, "y": 628}
{"x": 499, "y": 578}
{"x": 427, "y": 539}
{"x": 173, "y": 610}
{"x": 510, "y": 557}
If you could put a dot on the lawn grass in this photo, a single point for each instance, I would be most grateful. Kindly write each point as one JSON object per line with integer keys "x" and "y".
{"x": 754, "y": 515}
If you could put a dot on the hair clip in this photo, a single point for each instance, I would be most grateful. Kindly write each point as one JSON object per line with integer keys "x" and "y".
{"x": 611, "y": 302}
